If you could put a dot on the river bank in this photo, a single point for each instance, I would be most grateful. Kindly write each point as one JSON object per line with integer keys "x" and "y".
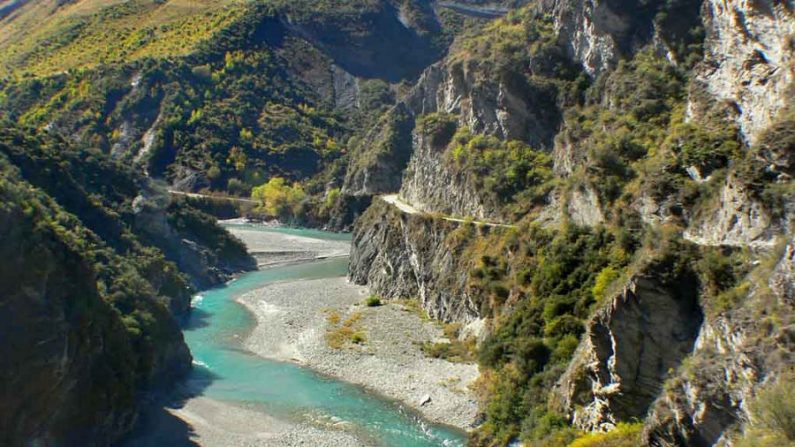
{"x": 206, "y": 422}
{"x": 296, "y": 319}
{"x": 304, "y": 322}
{"x": 272, "y": 248}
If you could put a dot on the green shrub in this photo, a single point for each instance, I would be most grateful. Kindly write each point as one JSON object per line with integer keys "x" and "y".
{"x": 439, "y": 127}
{"x": 373, "y": 301}
{"x": 278, "y": 199}
{"x": 358, "y": 338}
{"x": 603, "y": 280}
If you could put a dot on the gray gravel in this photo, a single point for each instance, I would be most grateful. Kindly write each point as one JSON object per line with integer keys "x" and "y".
{"x": 292, "y": 325}
{"x": 215, "y": 423}
{"x": 272, "y": 248}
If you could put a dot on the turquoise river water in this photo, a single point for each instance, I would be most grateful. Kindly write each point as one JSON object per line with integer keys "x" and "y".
{"x": 227, "y": 372}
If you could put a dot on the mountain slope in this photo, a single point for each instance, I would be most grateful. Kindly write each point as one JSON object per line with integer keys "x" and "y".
{"x": 89, "y": 33}
{"x": 90, "y": 290}
{"x": 636, "y": 260}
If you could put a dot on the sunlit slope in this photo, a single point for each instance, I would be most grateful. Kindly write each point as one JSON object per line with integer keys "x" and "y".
{"x": 41, "y": 37}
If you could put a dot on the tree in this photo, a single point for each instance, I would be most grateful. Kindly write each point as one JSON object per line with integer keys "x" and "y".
{"x": 278, "y": 199}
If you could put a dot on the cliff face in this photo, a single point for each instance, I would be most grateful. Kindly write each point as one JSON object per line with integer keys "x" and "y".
{"x": 491, "y": 103}
{"x": 746, "y": 348}
{"x": 671, "y": 349}
{"x": 406, "y": 256}
{"x": 749, "y": 61}
{"x": 629, "y": 347}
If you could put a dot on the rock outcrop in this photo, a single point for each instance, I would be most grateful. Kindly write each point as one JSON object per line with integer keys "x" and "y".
{"x": 630, "y": 346}
{"x": 432, "y": 185}
{"x": 735, "y": 353}
{"x": 749, "y": 61}
{"x": 504, "y": 105}
{"x": 582, "y": 206}
{"x": 597, "y": 33}
{"x": 733, "y": 218}
{"x": 401, "y": 255}
{"x": 591, "y": 31}
{"x": 377, "y": 163}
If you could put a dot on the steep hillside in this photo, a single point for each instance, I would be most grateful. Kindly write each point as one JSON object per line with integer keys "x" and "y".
{"x": 258, "y": 90}
{"x": 96, "y": 266}
{"x": 630, "y": 199}
{"x": 49, "y": 37}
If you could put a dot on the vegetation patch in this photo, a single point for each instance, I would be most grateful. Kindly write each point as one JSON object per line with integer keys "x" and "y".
{"x": 455, "y": 349}
{"x": 344, "y": 333}
{"x": 623, "y": 435}
{"x": 772, "y": 420}
{"x": 373, "y": 301}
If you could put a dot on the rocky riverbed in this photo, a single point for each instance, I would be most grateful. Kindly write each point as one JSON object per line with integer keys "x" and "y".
{"x": 325, "y": 325}
{"x": 297, "y": 321}
{"x": 303, "y": 321}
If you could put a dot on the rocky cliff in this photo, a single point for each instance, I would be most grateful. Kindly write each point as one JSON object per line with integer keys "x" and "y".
{"x": 502, "y": 104}
{"x": 402, "y": 255}
{"x": 748, "y": 64}
{"x": 746, "y": 348}
{"x": 629, "y": 348}
{"x": 680, "y": 133}
{"x": 377, "y": 163}
{"x": 431, "y": 182}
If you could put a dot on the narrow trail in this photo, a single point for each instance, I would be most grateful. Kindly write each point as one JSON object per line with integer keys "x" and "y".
{"x": 480, "y": 12}
{"x": 207, "y": 196}
{"x": 396, "y": 201}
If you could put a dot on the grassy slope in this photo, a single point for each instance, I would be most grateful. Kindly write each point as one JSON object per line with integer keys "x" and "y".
{"x": 41, "y": 38}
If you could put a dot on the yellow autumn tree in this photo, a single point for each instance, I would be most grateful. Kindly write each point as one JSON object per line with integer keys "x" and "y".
{"x": 277, "y": 198}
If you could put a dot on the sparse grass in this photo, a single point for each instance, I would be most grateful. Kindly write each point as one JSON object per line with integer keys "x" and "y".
{"x": 624, "y": 435}
{"x": 414, "y": 306}
{"x": 338, "y": 336}
{"x": 333, "y": 317}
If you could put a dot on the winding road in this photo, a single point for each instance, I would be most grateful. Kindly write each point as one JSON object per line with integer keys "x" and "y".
{"x": 396, "y": 201}
{"x": 481, "y": 12}
{"x": 392, "y": 199}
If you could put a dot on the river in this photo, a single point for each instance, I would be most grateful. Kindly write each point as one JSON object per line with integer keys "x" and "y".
{"x": 225, "y": 371}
